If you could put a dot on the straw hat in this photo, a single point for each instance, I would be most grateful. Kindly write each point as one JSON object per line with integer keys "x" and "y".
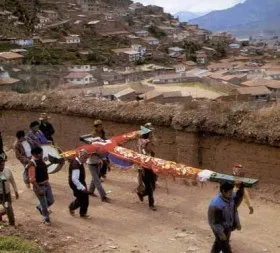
{"x": 44, "y": 116}
{"x": 97, "y": 122}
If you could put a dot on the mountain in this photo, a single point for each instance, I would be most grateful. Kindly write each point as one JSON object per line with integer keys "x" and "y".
{"x": 248, "y": 18}
{"x": 185, "y": 16}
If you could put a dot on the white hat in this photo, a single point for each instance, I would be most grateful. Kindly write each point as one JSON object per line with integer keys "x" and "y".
{"x": 144, "y": 130}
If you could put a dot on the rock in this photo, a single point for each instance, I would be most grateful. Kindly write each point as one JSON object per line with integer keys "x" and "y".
{"x": 44, "y": 98}
{"x": 192, "y": 249}
{"x": 113, "y": 247}
{"x": 181, "y": 235}
{"x": 265, "y": 250}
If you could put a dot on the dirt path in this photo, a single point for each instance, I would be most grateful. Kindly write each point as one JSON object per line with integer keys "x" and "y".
{"x": 126, "y": 225}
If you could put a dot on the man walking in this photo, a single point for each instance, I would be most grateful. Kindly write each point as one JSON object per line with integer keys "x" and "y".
{"x": 22, "y": 150}
{"x": 100, "y": 132}
{"x": 78, "y": 185}
{"x": 46, "y": 127}
{"x": 95, "y": 164}
{"x": 223, "y": 216}
{"x": 39, "y": 178}
{"x": 146, "y": 176}
{"x": 6, "y": 178}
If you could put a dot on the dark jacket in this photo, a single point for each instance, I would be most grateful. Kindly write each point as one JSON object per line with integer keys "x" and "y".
{"x": 222, "y": 213}
{"x": 75, "y": 165}
{"x": 47, "y": 129}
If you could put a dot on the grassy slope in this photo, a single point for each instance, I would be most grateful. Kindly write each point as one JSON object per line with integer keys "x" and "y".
{"x": 16, "y": 245}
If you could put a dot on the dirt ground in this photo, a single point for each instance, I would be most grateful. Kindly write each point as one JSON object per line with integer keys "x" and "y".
{"x": 126, "y": 225}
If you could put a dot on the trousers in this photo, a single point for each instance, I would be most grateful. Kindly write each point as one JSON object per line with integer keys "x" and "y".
{"x": 96, "y": 181}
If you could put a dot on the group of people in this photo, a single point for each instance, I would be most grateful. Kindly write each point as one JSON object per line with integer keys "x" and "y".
{"x": 28, "y": 150}
{"x": 222, "y": 213}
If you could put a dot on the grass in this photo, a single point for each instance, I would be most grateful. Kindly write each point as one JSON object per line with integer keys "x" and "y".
{"x": 10, "y": 244}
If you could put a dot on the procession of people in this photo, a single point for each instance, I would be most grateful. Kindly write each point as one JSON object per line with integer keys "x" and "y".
{"x": 222, "y": 213}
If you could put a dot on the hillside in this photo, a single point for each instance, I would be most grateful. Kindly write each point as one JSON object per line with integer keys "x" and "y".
{"x": 251, "y": 17}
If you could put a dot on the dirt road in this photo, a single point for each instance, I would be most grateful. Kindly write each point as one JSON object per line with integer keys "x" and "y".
{"x": 126, "y": 225}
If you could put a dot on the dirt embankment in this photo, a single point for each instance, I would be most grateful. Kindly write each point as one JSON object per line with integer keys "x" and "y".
{"x": 254, "y": 125}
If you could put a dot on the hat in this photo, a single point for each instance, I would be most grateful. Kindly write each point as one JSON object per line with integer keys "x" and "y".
{"x": 97, "y": 122}
{"x": 149, "y": 126}
{"x": 44, "y": 116}
{"x": 144, "y": 130}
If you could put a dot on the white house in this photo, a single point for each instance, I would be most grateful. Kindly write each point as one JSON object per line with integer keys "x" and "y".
{"x": 151, "y": 41}
{"x": 24, "y": 42}
{"x": 80, "y": 78}
{"x": 51, "y": 14}
{"x": 79, "y": 68}
{"x": 140, "y": 49}
{"x": 142, "y": 33}
{"x": 180, "y": 68}
{"x": 72, "y": 39}
{"x": 43, "y": 20}
{"x": 132, "y": 55}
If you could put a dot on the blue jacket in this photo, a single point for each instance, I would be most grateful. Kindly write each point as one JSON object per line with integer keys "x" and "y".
{"x": 222, "y": 213}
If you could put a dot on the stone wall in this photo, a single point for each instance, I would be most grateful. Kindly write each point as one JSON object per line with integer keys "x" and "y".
{"x": 205, "y": 151}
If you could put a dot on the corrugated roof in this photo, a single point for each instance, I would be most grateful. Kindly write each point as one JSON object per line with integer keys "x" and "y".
{"x": 151, "y": 94}
{"x": 258, "y": 90}
{"x": 261, "y": 82}
{"x": 124, "y": 92}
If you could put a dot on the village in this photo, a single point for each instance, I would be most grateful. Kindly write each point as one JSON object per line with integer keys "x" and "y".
{"x": 125, "y": 51}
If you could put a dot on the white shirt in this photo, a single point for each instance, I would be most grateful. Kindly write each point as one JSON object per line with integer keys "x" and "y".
{"x": 8, "y": 176}
{"x": 27, "y": 148}
{"x": 76, "y": 176}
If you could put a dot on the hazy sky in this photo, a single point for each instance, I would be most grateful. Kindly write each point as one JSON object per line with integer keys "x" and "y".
{"x": 192, "y": 5}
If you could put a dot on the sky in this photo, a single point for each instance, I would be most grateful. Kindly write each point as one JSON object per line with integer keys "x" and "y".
{"x": 174, "y": 6}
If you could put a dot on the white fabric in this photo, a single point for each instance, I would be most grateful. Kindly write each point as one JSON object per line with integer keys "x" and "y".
{"x": 205, "y": 175}
{"x": 78, "y": 160}
{"x": 75, "y": 180}
{"x": 27, "y": 148}
{"x": 8, "y": 176}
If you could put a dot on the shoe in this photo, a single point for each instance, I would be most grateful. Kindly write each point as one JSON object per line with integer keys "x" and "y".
{"x": 85, "y": 216}
{"x": 47, "y": 222}
{"x": 153, "y": 208}
{"x": 72, "y": 212}
{"x": 92, "y": 194}
{"x": 105, "y": 199}
{"x": 39, "y": 210}
{"x": 140, "y": 197}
